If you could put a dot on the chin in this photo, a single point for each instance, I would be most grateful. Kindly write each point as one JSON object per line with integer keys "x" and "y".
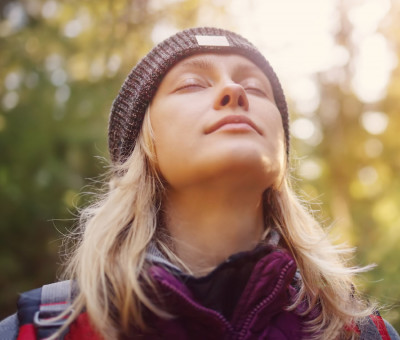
{"x": 248, "y": 155}
{"x": 246, "y": 163}
{"x": 250, "y": 165}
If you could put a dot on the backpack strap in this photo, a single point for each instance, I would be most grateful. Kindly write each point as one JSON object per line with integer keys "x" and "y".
{"x": 55, "y": 299}
{"x": 9, "y": 328}
{"x": 37, "y": 307}
{"x": 375, "y": 327}
{"x": 380, "y": 325}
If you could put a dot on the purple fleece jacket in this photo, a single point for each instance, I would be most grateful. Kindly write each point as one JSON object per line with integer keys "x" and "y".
{"x": 257, "y": 310}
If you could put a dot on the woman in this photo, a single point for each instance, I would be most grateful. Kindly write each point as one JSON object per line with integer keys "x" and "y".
{"x": 199, "y": 235}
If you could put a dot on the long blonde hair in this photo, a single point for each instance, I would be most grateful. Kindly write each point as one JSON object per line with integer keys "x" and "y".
{"x": 109, "y": 265}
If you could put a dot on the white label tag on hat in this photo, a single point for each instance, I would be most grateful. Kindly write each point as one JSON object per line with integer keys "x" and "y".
{"x": 212, "y": 40}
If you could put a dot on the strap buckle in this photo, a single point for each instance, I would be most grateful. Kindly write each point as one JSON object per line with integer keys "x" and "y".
{"x": 46, "y": 321}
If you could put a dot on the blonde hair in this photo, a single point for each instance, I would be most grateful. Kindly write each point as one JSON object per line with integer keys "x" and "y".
{"x": 109, "y": 264}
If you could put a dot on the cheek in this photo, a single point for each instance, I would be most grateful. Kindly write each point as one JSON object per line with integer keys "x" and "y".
{"x": 274, "y": 132}
{"x": 278, "y": 141}
{"x": 173, "y": 141}
{"x": 275, "y": 142}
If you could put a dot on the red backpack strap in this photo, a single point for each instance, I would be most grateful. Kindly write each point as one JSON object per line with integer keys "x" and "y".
{"x": 353, "y": 328}
{"x": 380, "y": 325}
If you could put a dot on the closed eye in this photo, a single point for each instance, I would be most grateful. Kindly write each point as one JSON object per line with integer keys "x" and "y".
{"x": 190, "y": 85}
{"x": 256, "y": 91}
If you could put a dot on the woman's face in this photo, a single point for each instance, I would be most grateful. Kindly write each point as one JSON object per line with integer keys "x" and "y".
{"x": 214, "y": 118}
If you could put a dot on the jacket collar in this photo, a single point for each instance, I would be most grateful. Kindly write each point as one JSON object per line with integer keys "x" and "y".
{"x": 155, "y": 256}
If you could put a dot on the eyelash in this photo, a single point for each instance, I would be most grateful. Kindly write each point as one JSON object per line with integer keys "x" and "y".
{"x": 194, "y": 84}
{"x": 255, "y": 89}
{"x": 250, "y": 89}
{"x": 188, "y": 86}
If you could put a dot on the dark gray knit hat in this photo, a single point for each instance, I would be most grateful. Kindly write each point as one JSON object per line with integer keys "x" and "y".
{"x": 141, "y": 84}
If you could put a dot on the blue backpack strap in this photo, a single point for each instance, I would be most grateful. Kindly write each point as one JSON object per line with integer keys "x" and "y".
{"x": 55, "y": 299}
{"x": 9, "y": 328}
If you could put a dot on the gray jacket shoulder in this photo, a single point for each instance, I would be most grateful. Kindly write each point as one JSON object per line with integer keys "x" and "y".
{"x": 9, "y": 328}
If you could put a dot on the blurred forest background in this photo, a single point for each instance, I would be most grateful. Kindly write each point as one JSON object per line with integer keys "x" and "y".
{"x": 63, "y": 62}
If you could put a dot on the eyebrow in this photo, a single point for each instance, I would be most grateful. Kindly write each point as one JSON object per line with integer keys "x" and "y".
{"x": 205, "y": 64}
{"x": 249, "y": 68}
{"x": 201, "y": 63}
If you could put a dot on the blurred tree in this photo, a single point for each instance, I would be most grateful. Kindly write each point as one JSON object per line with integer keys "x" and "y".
{"x": 352, "y": 158}
{"x": 62, "y": 64}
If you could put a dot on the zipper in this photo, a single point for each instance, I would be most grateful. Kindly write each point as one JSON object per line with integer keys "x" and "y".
{"x": 263, "y": 303}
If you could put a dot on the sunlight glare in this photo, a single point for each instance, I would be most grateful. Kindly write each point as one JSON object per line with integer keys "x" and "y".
{"x": 373, "y": 147}
{"x": 12, "y": 80}
{"x": 310, "y": 170}
{"x": 374, "y": 122}
{"x": 373, "y": 66}
{"x": 294, "y": 35}
{"x": 162, "y": 30}
{"x": 367, "y": 16}
{"x": 305, "y": 93}
{"x": 368, "y": 175}
{"x": 303, "y": 128}
{"x": 49, "y": 9}
{"x": 10, "y": 100}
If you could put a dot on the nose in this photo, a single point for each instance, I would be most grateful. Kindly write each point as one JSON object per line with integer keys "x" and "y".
{"x": 232, "y": 95}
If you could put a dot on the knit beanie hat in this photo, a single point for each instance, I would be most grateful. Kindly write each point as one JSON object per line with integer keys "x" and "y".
{"x": 140, "y": 86}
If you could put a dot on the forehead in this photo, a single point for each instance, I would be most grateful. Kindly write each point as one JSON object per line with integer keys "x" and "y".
{"x": 207, "y": 62}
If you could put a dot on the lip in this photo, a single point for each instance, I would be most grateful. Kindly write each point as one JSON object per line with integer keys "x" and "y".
{"x": 233, "y": 119}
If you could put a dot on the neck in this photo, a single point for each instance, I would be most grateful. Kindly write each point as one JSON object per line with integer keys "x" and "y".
{"x": 208, "y": 225}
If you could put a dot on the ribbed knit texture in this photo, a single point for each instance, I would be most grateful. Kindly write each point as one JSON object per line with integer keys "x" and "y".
{"x": 141, "y": 84}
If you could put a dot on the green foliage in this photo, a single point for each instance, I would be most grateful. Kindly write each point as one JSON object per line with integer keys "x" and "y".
{"x": 62, "y": 64}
